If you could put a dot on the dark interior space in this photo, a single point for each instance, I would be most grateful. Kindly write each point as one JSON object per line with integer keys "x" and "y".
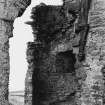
{"x": 65, "y": 62}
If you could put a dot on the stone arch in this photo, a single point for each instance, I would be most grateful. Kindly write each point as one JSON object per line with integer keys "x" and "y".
{"x": 9, "y": 11}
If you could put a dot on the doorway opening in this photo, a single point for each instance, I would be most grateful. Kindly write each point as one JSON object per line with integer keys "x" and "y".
{"x": 22, "y": 34}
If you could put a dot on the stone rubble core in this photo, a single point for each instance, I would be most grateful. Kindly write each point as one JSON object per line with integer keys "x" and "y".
{"x": 49, "y": 73}
{"x": 53, "y": 78}
{"x": 9, "y": 11}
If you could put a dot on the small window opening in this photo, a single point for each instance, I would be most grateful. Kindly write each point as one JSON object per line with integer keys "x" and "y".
{"x": 65, "y": 62}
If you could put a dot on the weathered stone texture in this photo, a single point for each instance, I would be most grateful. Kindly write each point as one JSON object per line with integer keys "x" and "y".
{"x": 93, "y": 85}
{"x": 53, "y": 82}
{"x": 4, "y": 62}
{"x": 50, "y": 83}
{"x": 10, "y": 9}
{"x": 29, "y": 75}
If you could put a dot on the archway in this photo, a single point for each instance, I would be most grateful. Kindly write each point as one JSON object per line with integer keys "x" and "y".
{"x": 18, "y": 64}
{"x": 21, "y": 35}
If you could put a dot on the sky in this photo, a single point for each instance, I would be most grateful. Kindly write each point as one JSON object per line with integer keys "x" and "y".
{"x": 22, "y": 34}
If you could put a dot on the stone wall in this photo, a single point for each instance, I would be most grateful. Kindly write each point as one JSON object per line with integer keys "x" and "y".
{"x": 51, "y": 70}
{"x": 93, "y": 86}
{"x": 51, "y": 79}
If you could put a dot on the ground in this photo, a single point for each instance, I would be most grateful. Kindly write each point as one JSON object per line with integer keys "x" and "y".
{"x": 16, "y": 98}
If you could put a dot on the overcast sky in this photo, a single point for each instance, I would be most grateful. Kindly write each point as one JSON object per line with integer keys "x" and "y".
{"x": 22, "y": 34}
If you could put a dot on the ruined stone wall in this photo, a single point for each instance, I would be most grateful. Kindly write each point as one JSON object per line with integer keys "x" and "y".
{"x": 88, "y": 88}
{"x": 51, "y": 71}
{"x": 93, "y": 86}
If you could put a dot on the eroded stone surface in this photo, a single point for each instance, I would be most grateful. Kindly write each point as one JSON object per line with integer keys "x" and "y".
{"x": 90, "y": 74}
{"x": 53, "y": 80}
{"x": 10, "y": 9}
{"x": 93, "y": 85}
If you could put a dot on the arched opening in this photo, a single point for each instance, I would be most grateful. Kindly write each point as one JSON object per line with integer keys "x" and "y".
{"x": 18, "y": 64}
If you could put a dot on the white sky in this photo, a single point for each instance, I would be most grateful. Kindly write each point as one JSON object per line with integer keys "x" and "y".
{"x": 22, "y": 34}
